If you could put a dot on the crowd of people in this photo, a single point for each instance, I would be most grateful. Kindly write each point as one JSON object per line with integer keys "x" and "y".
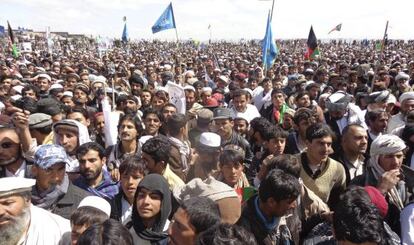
{"x": 95, "y": 148}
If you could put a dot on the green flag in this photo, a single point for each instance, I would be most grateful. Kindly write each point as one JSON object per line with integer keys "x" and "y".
{"x": 378, "y": 46}
{"x": 15, "y": 51}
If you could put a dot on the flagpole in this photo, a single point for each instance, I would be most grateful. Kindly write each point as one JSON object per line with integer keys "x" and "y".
{"x": 176, "y": 34}
{"x": 209, "y": 28}
{"x": 265, "y": 54}
{"x": 271, "y": 13}
{"x": 383, "y": 39}
{"x": 380, "y": 57}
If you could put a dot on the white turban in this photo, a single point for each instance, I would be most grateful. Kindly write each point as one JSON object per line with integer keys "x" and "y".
{"x": 406, "y": 96}
{"x": 386, "y": 144}
{"x": 402, "y": 75}
{"x": 383, "y": 145}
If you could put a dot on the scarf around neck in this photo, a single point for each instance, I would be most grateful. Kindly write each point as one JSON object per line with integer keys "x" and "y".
{"x": 47, "y": 199}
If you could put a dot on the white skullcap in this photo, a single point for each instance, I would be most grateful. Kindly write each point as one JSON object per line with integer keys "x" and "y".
{"x": 14, "y": 185}
{"x": 206, "y": 89}
{"x": 96, "y": 202}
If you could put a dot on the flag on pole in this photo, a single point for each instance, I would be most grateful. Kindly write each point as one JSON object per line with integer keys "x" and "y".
{"x": 269, "y": 48}
{"x": 11, "y": 35}
{"x": 209, "y": 26}
{"x": 336, "y": 28}
{"x": 312, "y": 44}
{"x": 125, "y": 32}
{"x": 2, "y": 31}
{"x": 15, "y": 51}
{"x": 165, "y": 21}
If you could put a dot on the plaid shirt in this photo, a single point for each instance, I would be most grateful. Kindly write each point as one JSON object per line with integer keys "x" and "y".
{"x": 106, "y": 189}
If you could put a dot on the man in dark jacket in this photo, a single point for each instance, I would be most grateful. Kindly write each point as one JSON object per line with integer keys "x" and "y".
{"x": 53, "y": 191}
{"x": 264, "y": 214}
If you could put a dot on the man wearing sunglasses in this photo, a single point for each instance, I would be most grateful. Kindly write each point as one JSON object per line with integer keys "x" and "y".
{"x": 12, "y": 164}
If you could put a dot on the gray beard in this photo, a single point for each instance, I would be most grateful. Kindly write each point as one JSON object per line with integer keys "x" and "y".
{"x": 13, "y": 232}
{"x": 8, "y": 162}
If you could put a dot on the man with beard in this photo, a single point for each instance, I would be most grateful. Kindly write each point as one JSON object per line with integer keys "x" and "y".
{"x": 12, "y": 163}
{"x": 192, "y": 107}
{"x": 23, "y": 223}
{"x": 146, "y": 98}
{"x": 53, "y": 190}
{"x": 407, "y": 104}
{"x": 137, "y": 84}
{"x": 129, "y": 130}
{"x": 341, "y": 112}
{"x": 94, "y": 178}
{"x": 206, "y": 160}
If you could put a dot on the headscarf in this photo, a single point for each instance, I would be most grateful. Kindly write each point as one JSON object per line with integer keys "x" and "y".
{"x": 154, "y": 183}
{"x": 383, "y": 145}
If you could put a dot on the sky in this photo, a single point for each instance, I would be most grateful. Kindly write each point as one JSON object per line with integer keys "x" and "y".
{"x": 229, "y": 19}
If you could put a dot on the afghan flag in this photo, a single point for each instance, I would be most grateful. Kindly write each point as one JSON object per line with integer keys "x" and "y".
{"x": 336, "y": 28}
{"x": 312, "y": 44}
{"x": 15, "y": 51}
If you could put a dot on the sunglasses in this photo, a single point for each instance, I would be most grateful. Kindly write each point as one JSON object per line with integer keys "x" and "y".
{"x": 7, "y": 145}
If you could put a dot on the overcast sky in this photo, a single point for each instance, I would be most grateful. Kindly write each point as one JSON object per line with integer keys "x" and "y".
{"x": 230, "y": 19}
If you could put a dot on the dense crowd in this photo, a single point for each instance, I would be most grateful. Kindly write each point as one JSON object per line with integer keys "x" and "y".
{"x": 181, "y": 143}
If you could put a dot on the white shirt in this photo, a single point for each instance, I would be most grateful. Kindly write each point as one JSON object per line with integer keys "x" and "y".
{"x": 126, "y": 211}
{"x": 249, "y": 114}
{"x": 407, "y": 225}
{"x": 395, "y": 122}
{"x": 355, "y": 168}
{"x": 372, "y": 135}
{"x": 46, "y": 229}
{"x": 259, "y": 99}
{"x": 19, "y": 173}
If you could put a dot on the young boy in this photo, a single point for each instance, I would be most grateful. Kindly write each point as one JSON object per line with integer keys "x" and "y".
{"x": 85, "y": 216}
{"x": 274, "y": 141}
{"x": 241, "y": 126}
{"x": 231, "y": 167}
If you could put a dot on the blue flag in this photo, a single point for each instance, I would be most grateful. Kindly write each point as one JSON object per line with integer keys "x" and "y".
{"x": 165, "y": 21}
{"x": 125, "y": 34}
{"x": 2, "y": 31}
{"x": 269, "y": 48}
